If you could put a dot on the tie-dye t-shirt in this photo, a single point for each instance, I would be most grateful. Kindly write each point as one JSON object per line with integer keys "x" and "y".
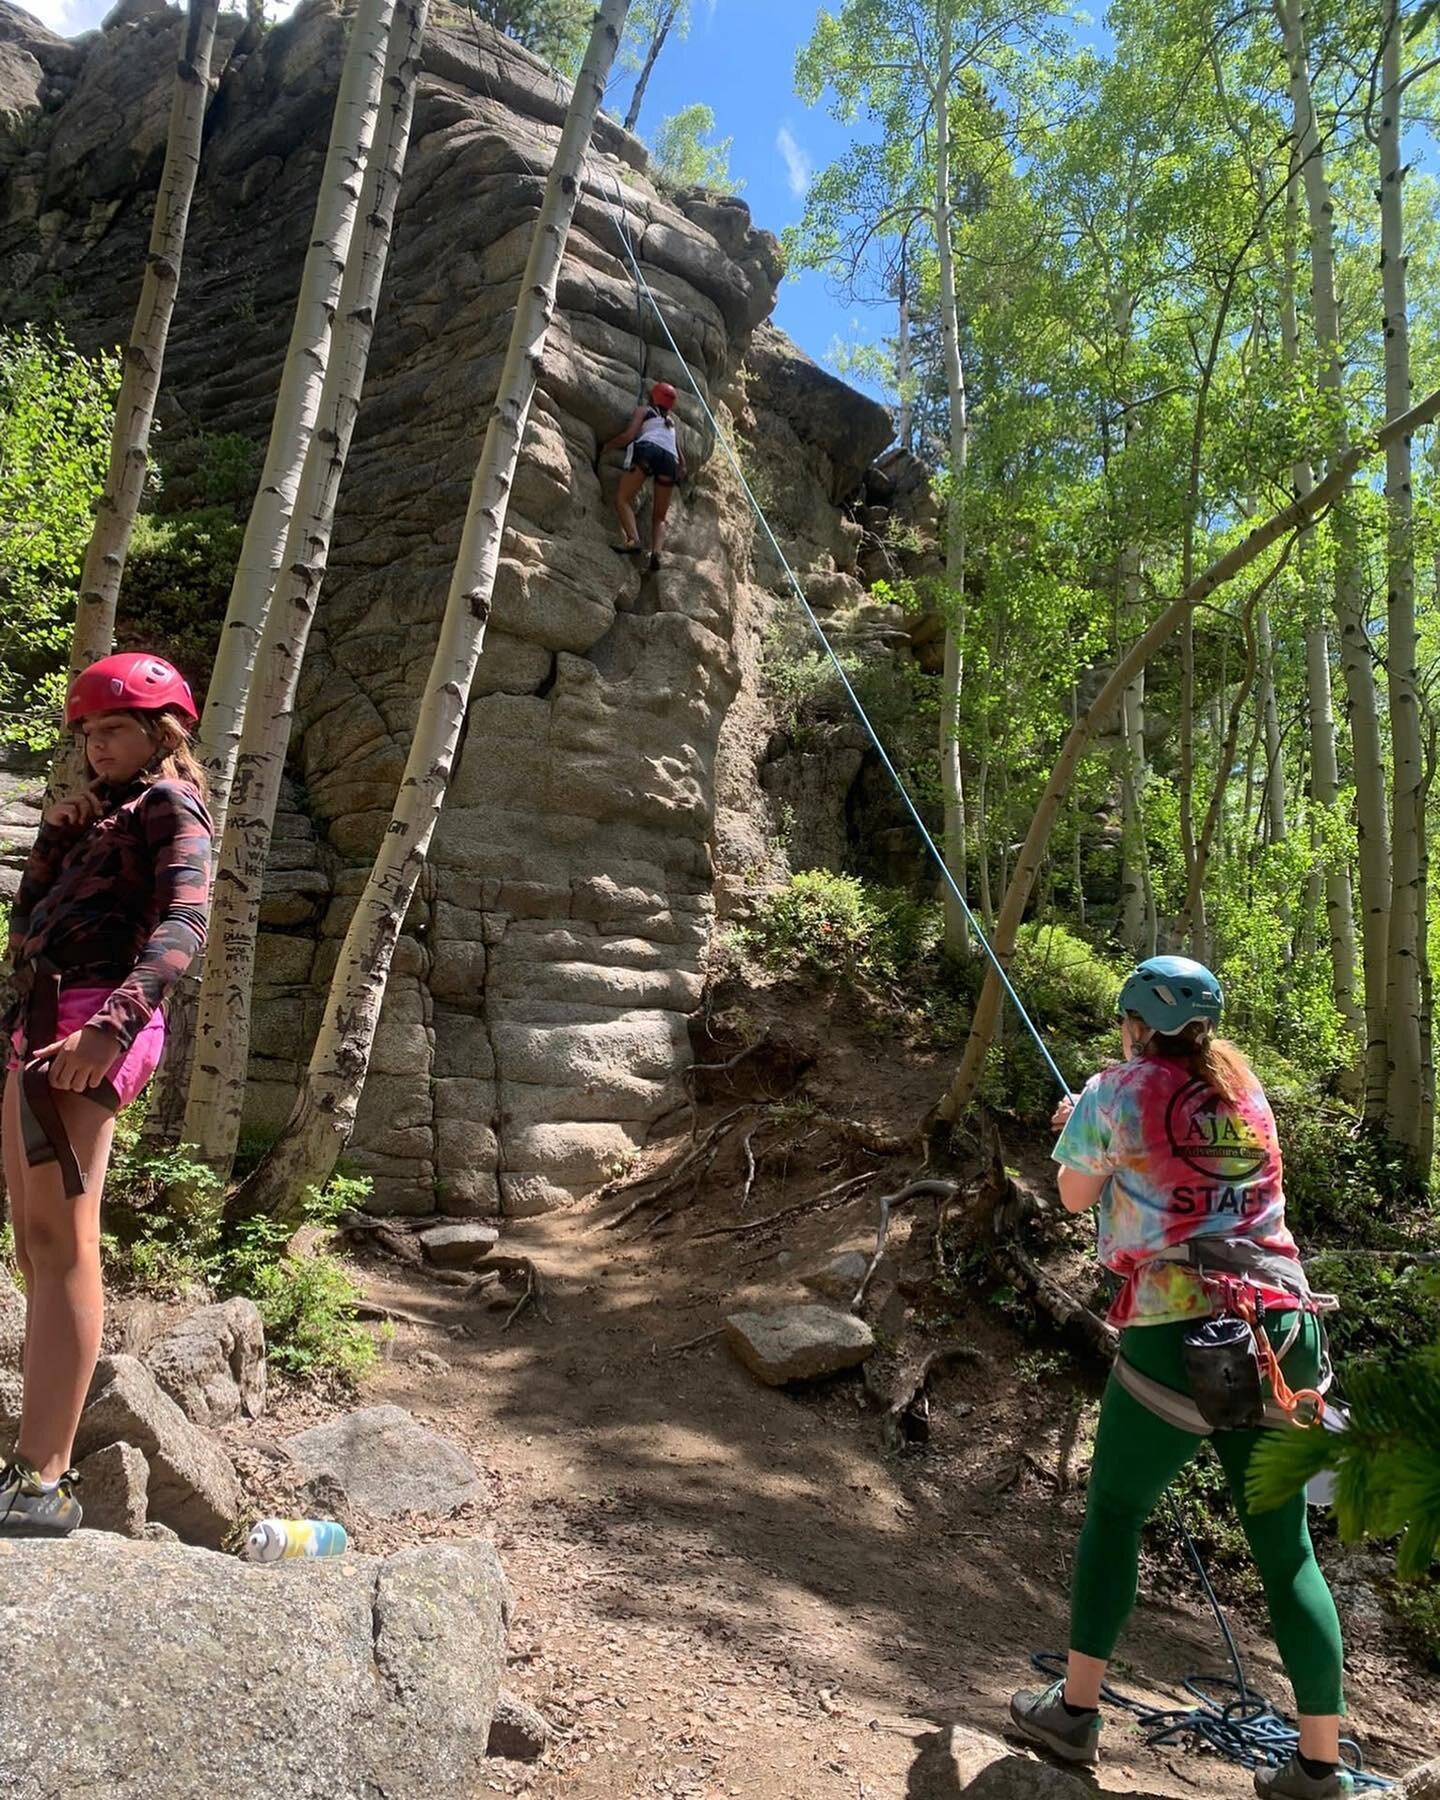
{"x": 1182, "y": 1163}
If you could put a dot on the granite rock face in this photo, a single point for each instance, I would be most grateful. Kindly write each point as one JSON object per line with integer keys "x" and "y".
{"x": 536, "y": 1024}
{"x": 334, "y": 1680}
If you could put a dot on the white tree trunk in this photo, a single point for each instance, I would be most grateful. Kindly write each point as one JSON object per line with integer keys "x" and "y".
{"x": 952, "y": 681}
{"x": 1407, "y": 1100}
{"x": 324, "y": 1114}
{"x": 905, "y": 427}
{"x": 1274, "y": 795}
{"x": 1372, "y": 809}
{"x": 222, "y": 1034}
{"x": 1324, "y": 753}
{"x": 1299, "y": 512}
{"x": 145, "y": 354}
{"x": 298, "y": 400}
{"x": 119, "y": 504}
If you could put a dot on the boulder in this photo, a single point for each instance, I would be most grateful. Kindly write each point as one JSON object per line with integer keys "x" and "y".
{"x": 1420, "y": 1784}
{"x": 146, "y": 1671}
{"x": 212, "y": 1365}
{"x": 115, "y": 1490}
{"x": 517, "y": 1730}
{"x": 193, "y": 1486}
{"x": 798, "y": 1343}
{"x": 458, "y": 1246}
{"x": 839, "y": 1278}
{"x": 12, "y": 1392}
{"x": 388, "y": 1462}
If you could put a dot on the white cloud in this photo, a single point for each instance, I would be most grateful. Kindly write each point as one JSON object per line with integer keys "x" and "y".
{"x": 59, "y": 15}
{"x": 798, "y": 167}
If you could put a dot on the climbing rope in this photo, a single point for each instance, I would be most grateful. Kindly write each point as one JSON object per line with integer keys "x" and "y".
{"x": 1228, "y": 1717}
{"x": 931, "y": 846}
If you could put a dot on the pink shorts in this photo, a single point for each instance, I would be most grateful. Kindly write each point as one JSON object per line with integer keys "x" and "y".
{"x": 78, "y": 1005}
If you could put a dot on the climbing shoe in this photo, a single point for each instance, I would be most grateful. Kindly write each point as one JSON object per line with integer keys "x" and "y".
{"x": 654, "y": 563}
{"x": 1291, "y": 1782}
{"x": 626, "y": 549}
{"x": 1044, "y": 1718}
{"x": 31, "y": 1508}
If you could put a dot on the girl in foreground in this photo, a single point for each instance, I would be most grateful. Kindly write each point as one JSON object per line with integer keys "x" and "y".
{"x": 110, "y": 914}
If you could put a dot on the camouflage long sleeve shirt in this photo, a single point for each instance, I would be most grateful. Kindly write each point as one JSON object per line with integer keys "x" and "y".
{"x": 121, "y": 902}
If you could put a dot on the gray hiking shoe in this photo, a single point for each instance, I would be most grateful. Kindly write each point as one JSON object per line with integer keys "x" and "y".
{"x": 1041, "y": 1717}
{"x": 30, "y": 1509}
{"x": 1290, "y": 1782}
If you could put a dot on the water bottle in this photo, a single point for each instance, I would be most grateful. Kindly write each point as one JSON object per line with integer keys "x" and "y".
{"x": 284, "y": 1540}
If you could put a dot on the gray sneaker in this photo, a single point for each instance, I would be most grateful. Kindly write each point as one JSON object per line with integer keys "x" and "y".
{"x": 1290, "y": 1782}
{"x": 30, "y": 1509}
{"x": 1041, "y": 1717}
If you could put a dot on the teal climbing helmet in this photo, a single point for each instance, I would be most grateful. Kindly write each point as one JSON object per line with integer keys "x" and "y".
{"x": 1171, "y": 992}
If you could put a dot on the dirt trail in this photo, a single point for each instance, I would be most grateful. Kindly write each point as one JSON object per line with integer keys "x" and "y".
{"x": 728, "y": 1590}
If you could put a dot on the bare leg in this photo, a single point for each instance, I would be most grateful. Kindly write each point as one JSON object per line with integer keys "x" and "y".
{"x": 12, "y": 1147}
{"x": 631, "y": 483}
{"x": 660, "y": 505}
{"x": 1083, "y": 1676}
{"x": 1320, "y": 1736}
{"x": 59, "y": 1245}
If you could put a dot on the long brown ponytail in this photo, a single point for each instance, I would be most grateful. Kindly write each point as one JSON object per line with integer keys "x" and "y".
{"x": 174, "y": 760}
{"x": 1217, "y": 1062}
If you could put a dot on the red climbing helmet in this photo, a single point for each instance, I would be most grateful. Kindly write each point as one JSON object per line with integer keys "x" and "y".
{"x": 129, "y": 683}
{"x": 664, "y": 395}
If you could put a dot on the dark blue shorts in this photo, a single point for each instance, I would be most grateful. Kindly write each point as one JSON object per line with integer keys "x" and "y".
{"x": 652, "y": 460}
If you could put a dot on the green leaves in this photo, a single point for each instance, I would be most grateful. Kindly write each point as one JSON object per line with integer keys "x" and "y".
{"x": 55, "y": 412}
{"x": 685, "y": 159}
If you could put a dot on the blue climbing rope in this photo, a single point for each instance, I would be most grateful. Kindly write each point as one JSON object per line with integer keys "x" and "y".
{"x": 931, "y": 846}
{"x": 1228, "y": 1717}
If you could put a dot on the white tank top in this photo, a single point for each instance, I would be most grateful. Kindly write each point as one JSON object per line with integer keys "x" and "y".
{"x": 657, "y": 430}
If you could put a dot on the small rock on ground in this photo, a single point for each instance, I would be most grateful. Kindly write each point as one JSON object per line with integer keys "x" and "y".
{"x": 798, "y": 1343}
{"x": 986, "y": 1768}
{"x": 115, "y": 1490}
{"x": 839, "y": 1278}
{"x": 388, "y": 1462}
{"x": 517, "y": 1730}
{"x": 458, "y": 1246}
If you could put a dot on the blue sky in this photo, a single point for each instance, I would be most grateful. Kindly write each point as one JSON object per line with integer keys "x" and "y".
{"x": 738, "y": 59}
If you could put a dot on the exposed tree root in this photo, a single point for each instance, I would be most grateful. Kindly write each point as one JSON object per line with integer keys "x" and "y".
{"x": 786, "y": 1212}
{"x": 906, "y": 1418}
{"x": 888, "y": 1203}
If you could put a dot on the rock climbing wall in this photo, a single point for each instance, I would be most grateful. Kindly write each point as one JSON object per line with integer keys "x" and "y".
{"x": 536, "y": 1025}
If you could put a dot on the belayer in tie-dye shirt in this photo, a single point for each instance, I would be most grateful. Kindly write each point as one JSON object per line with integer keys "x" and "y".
{"x": 1180, "y": 1161}
{"x": 1177, "y": 1148}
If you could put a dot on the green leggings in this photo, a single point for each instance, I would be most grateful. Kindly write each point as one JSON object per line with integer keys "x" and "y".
{"x": 1137, "y": 1456}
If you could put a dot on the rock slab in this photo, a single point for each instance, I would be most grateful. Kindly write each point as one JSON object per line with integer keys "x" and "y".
{"x": 212, "y": 1365}
{"x": 335, "y": 1680}
{"x": 388, "y": 1462}
{"x": 798, "y": 1343}
{"x": 193, "y": 1486}
{"x": 458, "y": 1246}
{"x": 115, "y": 1490}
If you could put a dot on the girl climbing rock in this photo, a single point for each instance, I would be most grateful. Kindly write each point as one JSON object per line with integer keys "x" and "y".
{"x": 655, "y": 452}
{"x": 109, "y": 915}
{"x": 1177, "y": 1145}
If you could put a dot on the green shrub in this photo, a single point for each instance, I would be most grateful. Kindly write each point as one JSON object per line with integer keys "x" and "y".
{"x": 177, "y": 586}
{"x": 306, "y": 1302}
{"x": 1062, "y": 981}
{"x": 1417, "y": 1604}
{"x": 215, "y": 469}
{"x": 836, "y": 924}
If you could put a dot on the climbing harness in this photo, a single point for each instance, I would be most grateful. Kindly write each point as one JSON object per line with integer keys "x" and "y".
{"x": 42, "y": 1125}
{"x": 1244, "y": 1727}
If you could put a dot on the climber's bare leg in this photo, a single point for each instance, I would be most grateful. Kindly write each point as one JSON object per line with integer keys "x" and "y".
{"x": 631, "y": 483}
